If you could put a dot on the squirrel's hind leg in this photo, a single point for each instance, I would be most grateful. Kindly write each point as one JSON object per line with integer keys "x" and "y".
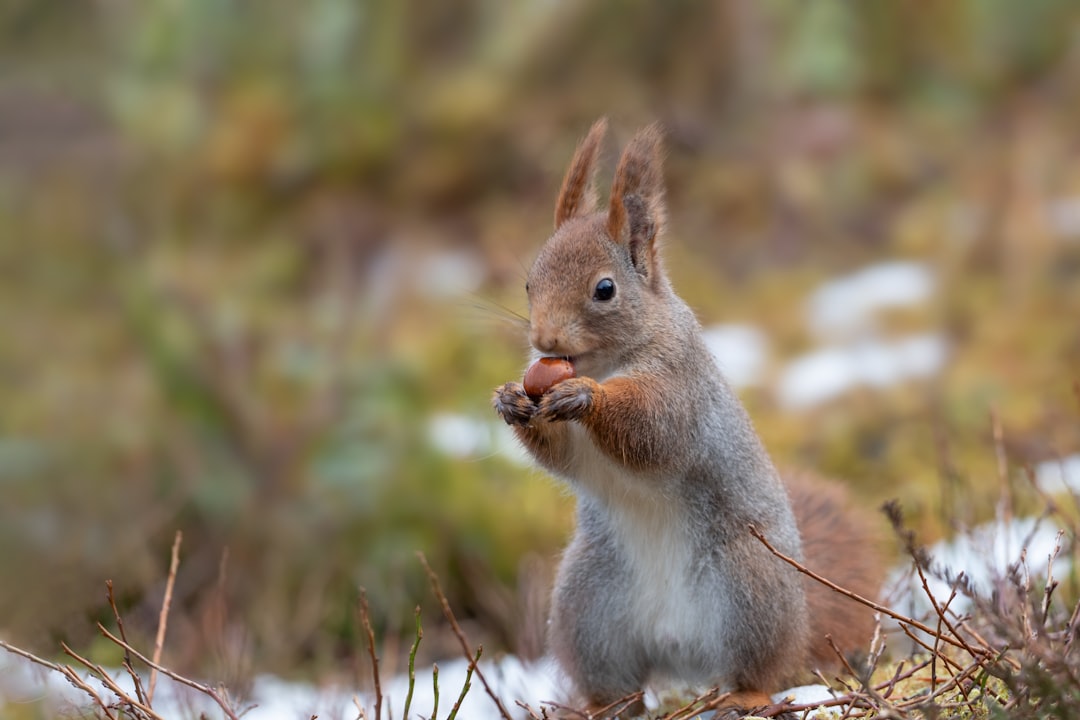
{"x": 591, "y": 629}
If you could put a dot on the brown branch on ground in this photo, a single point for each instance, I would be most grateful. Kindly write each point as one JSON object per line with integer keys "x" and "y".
{"x": 365, "y": 621}
{"x": 613, "y": 709}
{"x": 66, "y": 671}
{"x": 127, "y": 656}
{"x": 139, "y": 707}
{"x": 204, "y": 689}
{"x": 449, "y": 614}
{"x": 854, "y": 596}
{"x": 526, "y": 708}
{"x": 135, "y": 707}
{"x": 163, "y": 616}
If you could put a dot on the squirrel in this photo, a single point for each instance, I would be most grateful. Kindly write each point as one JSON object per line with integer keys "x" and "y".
{"x": 662, "y": 578}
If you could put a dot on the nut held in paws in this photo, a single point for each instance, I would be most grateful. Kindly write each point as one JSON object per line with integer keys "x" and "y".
{"x": 546, "y": 372}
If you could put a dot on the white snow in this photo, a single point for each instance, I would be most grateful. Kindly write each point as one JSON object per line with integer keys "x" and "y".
{"x": 1063, "y": 215}
{"x": 741, "y": 351}
{"x": 983, "y": 554}
{"x": 1055, "y": 476}
{"x": 275, "y": 699}
{"x": 847, "y": 306}
{"x": 448, "y": 274}
{"x": 828, "y": 372}
{"x": 465, "y": 437}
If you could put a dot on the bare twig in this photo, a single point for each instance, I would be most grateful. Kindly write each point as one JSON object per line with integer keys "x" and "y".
{"x": 163, "y": 617}
{"x": 565, "y": 711}
{"x": 1005, "y": 501}
{"x": 437, "y": 587}
{"x": 841, "y": 656}
{"x": 139, "y": 709}
{"x": 612, "y": 709}
{"x": 365, "y": 620}
{"x": 69, "y": 674}
{"x": 435, "y": 691}
{"x": 412, "y": 663}
{"x": 937, "y": 638}
{"x": 127, "y": 656}
{"x": 702, "y": 703}
{"x": 526, "y": 708}
{"x": 204, "y": 689}
{"x": 465, "y": 688}
{"x": 1051, "y": 583}
{"x": 847, "y": 593}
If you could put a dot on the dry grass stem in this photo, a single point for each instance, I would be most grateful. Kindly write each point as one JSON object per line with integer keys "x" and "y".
{"x": 127, "y": 656}
{"x": 466, "y": 686}
{"x": 360, "y": 714}
{"x": 437, "y": 588}
{"x": 614, "y": 708}
{"x": 137, "y": 708}
{"x": 365, "y": 621}
{"x": 163, "y": 616}
{"x": 847, "y": 593}
{"x": 204, "y": 689}
{"x": 66, "y": 671}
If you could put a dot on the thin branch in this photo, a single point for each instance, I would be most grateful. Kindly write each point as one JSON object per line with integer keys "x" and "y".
{"x": 204, "y": 689}
{"x": 163, "y": 617}
{"x": 108, "y": 681}
{"x": 622, "y": 704}
{"x": 847, "y": 593}
{"x": 68, "y": 673}
{"x": 435, "y": 691}
{"x": 526, "y": 708}
{"x": 434, "y": 579}
{"x": 360, "y": 714}
{"x": 365, "y": 619}
{"x": 127, "y": 656}
{"x": 702, "y": 703}
{"x": 412, "y": 664}
{"x": 565, "y": 711}
{"x": 466, "y": 686}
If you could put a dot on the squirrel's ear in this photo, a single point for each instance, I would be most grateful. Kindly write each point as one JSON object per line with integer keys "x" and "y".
{"x": 637, "y": 212}
{"x": 578, "y": 193}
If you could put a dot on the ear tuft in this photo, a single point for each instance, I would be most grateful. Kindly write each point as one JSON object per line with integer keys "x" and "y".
{"x": 637, "y": 212}
{"x": 641, "y": 234}
{"x": 578, "y": 193}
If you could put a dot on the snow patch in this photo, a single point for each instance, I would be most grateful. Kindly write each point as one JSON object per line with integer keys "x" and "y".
{"x": 827, "y": 373}
{"x": 847, "y": 306}
{"x": 465, "y": 437}
{"x": 1055, "y": 476}
{"x": 983, "y": 554}
{"x": 741, "y": 351}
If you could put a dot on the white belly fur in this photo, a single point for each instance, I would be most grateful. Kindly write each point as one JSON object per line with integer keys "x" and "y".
{"x": 668, "y": 615}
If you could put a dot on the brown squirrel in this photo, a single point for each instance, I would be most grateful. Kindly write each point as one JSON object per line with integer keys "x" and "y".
{"x": 662, "y": 578}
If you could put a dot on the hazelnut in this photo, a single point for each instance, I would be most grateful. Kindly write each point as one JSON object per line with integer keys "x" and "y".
{"x": 546, "y": 372}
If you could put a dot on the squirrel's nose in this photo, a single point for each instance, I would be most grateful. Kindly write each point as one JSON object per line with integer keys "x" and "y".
{"x": 544, "y": 340}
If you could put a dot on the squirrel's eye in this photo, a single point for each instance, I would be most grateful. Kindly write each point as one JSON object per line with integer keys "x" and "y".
{"x": 605, "y": 290}
{"x": 526, "y": 288}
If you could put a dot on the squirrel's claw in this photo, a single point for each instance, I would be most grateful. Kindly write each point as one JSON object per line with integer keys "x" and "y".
{"x": 513, "y": 404}
{"x": 568, "y": 400}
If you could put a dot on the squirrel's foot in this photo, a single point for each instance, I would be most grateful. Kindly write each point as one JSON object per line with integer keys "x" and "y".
{"x": 512, "y": 403}
{"x": 752, "y": 703}
{"x": 568, "y": 400}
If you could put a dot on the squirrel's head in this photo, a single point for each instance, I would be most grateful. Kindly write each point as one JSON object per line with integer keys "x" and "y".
{"x": 595, "y": 287}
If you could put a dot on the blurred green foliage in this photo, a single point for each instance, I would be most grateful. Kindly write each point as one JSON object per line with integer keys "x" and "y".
{"x": 233, "y": 298}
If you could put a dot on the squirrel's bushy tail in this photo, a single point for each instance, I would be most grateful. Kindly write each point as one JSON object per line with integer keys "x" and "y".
{"x": 842, "y": 546}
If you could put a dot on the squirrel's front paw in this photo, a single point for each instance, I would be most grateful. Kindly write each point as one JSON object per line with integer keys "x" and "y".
{"x": 569, "y": 400}
{"x": 513, "y": 404}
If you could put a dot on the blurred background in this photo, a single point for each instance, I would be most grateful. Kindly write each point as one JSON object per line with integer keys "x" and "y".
{"x": 262, "y": 264}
